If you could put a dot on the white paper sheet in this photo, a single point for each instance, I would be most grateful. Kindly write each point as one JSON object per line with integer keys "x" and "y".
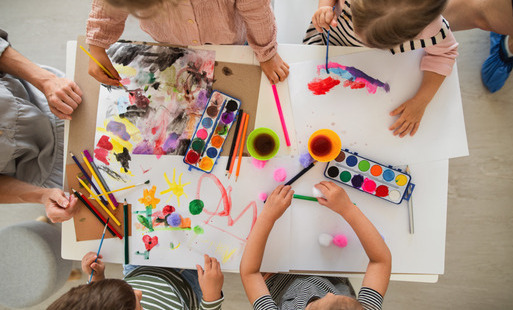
{"x": 362, "y": 119}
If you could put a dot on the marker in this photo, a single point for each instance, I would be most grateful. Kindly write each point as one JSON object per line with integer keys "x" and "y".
{"x": 309, "y": 198}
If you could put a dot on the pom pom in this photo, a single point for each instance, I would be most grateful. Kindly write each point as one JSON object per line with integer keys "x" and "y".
{"x": 280, "y": 175}
{"x": 317, "y": 193}
{"x": 325, "y": 240}
{"x": 340, "y": 241}
{"x": 174, "y": 219}
{"x": 262, "y": 196}
{"x": 259, "y": 164}
{"x": 305, "y": 160}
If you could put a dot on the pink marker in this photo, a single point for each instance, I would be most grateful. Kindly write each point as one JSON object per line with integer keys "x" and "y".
{"x": 280, "y": 113}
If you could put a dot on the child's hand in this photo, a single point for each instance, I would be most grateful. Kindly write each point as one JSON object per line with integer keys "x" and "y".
{"x": 89, "y": 265}
{"x": 275, "y": 69}
{"x": 278, "y": 202}
{"x": 324, "y": 17}
{"x": 97, "y": 72}
{"x": 411, "y": 113}
{"x": 63, "y": 96}
{"x": 336, "y": 197}
{"x": 211, "y": 279}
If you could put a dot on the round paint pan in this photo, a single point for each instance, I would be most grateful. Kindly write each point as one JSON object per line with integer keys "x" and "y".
{"x": 263, "y": 143}
{"x": 324, "y": 145}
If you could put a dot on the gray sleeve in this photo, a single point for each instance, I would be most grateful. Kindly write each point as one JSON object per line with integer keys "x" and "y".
{"x": 3, "y": 41}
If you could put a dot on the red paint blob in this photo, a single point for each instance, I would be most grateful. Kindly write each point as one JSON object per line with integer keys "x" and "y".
{"x": 154, "y": 130}
{"x": 150, "y": 242}
{"x": 192, "y": 157}
{"x": 382, "y": 191}
{"x": 321, "y": 145}
{"x": 101, "y": 155}
{"x": 104, "y": 143}
{"x": 322, "y": 86}
{"x": 354, "y": 84}
{"x": 168, "y": 210}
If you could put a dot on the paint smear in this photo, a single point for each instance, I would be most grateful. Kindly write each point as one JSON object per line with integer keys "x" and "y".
{"x": 148, "y": 198}
{"x": 124, "y": 159}
{"x": 176, "y": 189}
{"x": 198, "y": 230}
{"x": 101, "y": 155}
{"x": 196, "y": 206}
{"x": 322, "y": 86}
{"x": 113, "y": 174}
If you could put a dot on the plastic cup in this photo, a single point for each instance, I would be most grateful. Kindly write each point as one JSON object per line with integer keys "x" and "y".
{"x": 265, "y": 145}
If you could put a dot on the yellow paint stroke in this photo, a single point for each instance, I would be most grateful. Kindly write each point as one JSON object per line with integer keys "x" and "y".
{"x": 125, "y": 70}
{"x": 148, "y": 198}
{"x": 175, "y": 247}
{"x": 175, "y": 188}
{"x": 227, "y": 255}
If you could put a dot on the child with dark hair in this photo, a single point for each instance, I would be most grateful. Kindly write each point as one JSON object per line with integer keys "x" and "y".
{"x": 146, "y": 287}
{"x": 291, "y": 291}
{"x": 398, "y": 26}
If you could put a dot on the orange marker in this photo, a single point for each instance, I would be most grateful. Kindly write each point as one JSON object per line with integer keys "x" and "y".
{"x": 242, "y": 146}
{"x": 244, "y": 115}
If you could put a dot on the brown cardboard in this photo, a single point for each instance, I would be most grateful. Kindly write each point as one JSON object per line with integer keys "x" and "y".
{"x": 237, "y": 80}
{"x": 87, "y": 226}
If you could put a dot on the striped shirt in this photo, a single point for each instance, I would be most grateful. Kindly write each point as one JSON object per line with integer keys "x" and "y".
{"x": 289, "y": 291}
{"x": 164, "y": 288}
{"x": 436, "y": 39}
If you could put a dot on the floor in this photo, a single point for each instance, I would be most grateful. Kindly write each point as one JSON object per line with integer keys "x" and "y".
{"x": 479, "y": 247}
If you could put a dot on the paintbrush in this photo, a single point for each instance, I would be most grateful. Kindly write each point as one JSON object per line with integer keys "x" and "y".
{"x": 87, "y": 177}
{"x": 121, "y": 189}
{"x": 242, "y": 143}
{"x": 97, "y": 171}
{"x": 410, "y": 205}
{"x": 104, "y": 69}
{"x": 99, "y": 248}
{"x": 235, "y": 134}
{"x": 88, "y": 164}
{"x": 297, "y": 176}
{"x": 328, "y": 46}
{"x": 96, "y": 213}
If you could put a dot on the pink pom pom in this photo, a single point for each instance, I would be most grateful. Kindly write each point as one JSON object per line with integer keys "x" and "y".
{"x": 259, "y": 164}
{"x": 340, "y": 241}
{"x": 262, "y": 196}
{"x": 280, "y": 175}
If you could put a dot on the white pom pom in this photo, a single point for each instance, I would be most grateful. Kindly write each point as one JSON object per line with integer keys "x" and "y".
{"x": 317, "y": 193}
{"x": 325, "y": 239}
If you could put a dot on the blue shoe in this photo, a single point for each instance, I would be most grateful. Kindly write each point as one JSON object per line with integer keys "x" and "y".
{"x": 498, "y": 65}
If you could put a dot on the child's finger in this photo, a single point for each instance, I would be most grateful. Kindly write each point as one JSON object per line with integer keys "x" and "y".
{"x": 208, "y": 263}
{"x": 334, "y": 22}
{"x": 322, "y": 201}
{"x": 414, "y": 130}
{"x": 402, "y": 128}
{"x": 407, "y": 130}
{"x": 200, "y": 270}
{"x": 398, "y": 110}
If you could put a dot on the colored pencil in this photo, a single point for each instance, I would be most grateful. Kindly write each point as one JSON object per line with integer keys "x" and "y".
{"x": 328, "y": 45}
{"x": 410, "y": 206}
{"x": 297, "y": 176}
{"x": 87, "y": 176}
{"x": 125, "y": 225}
{"x": 97, "y": 214}
{"x": 304, "y": 197}
{"x": 99, "y": 248}
{"x": 99, "y": 202}
{"x": 280, "y": 113}
{"x": 236, "y": 146}
{"x": 95, "y": 168}
{"x": 98, "y": 181}
{"x": 241, "y": 147}
{"x": 121, "y": 189}
{"x": 103, "y": 68}
{"x": 237, "y": 128}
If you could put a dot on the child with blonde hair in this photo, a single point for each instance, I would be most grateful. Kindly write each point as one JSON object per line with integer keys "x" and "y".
{"x": 193, "y": 22}
{"x": 309, "y": 292}
{"x": 399, "y": 26}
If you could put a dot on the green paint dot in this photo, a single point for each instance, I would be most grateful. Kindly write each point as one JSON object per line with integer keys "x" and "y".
{"x": 364, "y": 165}
{"x": 196, "y": 206}
{"x": 198, "y": 230}
{"x": 345, "y": 176}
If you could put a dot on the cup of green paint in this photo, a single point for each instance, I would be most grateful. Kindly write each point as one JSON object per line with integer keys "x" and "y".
{"x": 263, "y": 143}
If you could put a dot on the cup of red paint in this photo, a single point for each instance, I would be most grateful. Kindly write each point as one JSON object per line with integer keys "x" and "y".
{"x": 263, "y": 143}
{"x": 324, "y": 145}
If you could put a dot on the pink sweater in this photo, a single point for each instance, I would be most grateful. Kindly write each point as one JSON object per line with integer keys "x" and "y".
{"x": 194, "y": 22}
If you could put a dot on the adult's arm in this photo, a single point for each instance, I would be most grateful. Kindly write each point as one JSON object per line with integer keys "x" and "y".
{"x": 59, "y": 208}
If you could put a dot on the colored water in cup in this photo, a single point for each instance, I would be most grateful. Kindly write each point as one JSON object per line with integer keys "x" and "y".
{"x": 263, "y": 143}
{"x": 324, "y": 145}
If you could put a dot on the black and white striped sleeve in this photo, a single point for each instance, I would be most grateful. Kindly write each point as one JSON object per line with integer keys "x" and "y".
{"x": 370, "y": 299}
{"x": 265, "y": 303}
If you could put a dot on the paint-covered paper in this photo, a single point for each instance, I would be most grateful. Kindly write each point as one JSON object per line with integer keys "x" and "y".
{"x": 356, "y": 97}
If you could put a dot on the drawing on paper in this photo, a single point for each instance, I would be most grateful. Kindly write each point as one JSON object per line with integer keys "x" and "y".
{"x": 351, "y": 77}
{"x": 149, "y": 243}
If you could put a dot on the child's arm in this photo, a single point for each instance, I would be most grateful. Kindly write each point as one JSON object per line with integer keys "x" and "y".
{"x": 412, "y": 110}
{"x": 252, "y": 279}
{"x": 378, "y": 271}
{"x": 89, "y": 265}
{"x": 104, "y": 27}
{"x": 436, "y": 64}
{"x": 324, "y": 17}
{"x": 210, "y": 280}
{"x": 261, "y": 35}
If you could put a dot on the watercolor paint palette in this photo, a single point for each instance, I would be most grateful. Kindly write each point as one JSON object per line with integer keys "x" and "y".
{"x": 370, "y": 177}
{"x": 211, "y": 132}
